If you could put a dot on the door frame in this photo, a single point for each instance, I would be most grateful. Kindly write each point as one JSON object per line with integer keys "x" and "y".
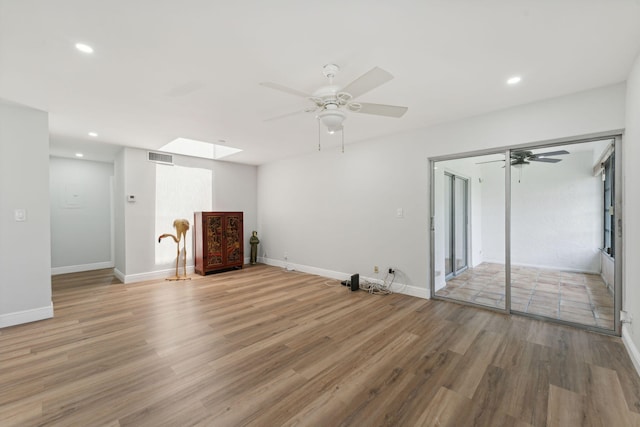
{"x": 452, "y": 229}
{"x": 616, "y": 135}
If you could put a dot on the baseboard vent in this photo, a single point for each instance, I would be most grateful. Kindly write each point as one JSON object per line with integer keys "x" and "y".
{"x": 165, "y": 159}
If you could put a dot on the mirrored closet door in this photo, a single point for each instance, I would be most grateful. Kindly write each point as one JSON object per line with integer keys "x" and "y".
{"x": 469, "y": 265}
{"x": 539, "y": 238}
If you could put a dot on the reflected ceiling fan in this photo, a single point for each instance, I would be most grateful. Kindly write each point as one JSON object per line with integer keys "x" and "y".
{"x": 524, "y": 157}
{"x": 521, "y": 158}
{"x": 331, "y": 101}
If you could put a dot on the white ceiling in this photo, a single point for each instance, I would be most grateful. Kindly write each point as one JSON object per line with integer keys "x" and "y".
{"x": 191, "y": 68}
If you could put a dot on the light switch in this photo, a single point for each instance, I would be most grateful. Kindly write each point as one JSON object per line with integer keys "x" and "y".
{"x": 399, "y": 213}
{"x": 20, "y": 215}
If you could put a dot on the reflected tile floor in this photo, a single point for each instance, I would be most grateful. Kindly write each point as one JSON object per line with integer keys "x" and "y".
{"x": 574, "y": 297}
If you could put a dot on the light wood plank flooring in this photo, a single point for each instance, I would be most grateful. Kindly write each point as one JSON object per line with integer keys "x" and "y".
{"x": 266, "y": 347}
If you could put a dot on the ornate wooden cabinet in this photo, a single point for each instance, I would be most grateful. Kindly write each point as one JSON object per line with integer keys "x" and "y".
{"x": 218, "y": 240}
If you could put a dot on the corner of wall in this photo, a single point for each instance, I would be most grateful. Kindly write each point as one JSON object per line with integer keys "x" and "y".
{"x": 634, "y": 354}
{"x": 26, "y": 316}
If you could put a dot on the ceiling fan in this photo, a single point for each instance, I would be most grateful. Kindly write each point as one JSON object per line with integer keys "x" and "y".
{"x": 524, "y": 157}
{"x": 331, "y": 101}
{"x": 521, "y": 158}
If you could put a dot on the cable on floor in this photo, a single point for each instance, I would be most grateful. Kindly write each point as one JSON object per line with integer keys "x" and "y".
{"x": 383, "y": 288}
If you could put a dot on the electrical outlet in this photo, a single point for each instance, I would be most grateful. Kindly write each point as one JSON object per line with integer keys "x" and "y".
{"x": 375, "y": 269}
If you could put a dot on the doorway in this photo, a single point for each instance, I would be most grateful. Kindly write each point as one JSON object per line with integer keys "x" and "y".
{"x": 538, "y": 238}
{"x": 455, "y": 224}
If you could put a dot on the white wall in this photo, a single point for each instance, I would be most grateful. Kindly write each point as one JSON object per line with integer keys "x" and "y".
{"x": 631, "y": 210}
{"x": 232, "y": 188}
{"x": 119, "y": 231}
{"x": 556, "y": 214}
{"x": 493, "y": 219}
{"x": 80, "y": 215}
{"x": 336, "y": 212}
{"x": 25, "y": 247}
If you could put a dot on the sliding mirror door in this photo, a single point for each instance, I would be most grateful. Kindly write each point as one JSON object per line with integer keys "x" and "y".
{"x": 563, "y": 234}
{"x": 539, "y": 234}
{"x": 468, "y": 230}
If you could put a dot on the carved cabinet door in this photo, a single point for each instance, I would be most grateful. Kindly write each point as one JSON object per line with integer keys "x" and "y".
{"x": 214, "y": 238}
{"x": 219, "y": 241}
{"x": 234, "y": 244}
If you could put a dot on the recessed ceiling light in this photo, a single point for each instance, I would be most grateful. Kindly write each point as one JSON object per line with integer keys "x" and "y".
{"x": 79, "y": 155}
{"x": 93, "y": 134}
{"x": 514, "y": 80}
{"x": 84, "y": 48}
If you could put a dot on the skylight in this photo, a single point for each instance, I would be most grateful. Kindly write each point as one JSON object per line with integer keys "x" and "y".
{"x": 192, "y": 147}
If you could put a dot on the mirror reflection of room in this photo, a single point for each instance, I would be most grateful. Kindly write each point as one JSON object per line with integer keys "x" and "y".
{"x": 561, "y": 225}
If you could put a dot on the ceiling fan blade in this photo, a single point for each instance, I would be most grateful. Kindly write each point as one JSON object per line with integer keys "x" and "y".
{"x": 381, "y": 109}
{"x": 552, "y": 153}
{"x": 281, "y": 88}
{"x": 490, "y": 161}
{"x": 368, "y": 81}
{"x": 544, "y": 160}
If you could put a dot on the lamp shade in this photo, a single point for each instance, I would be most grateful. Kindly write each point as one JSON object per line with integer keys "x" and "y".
{"x": 332, "y": 119}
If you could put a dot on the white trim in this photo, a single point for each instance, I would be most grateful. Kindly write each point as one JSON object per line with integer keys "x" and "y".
{"x": 399, "y": 288}
{"x": 634, "y": 354}
{"x": 151, "y": 275}
{"x": 112, "y": 221}
{"x": 543, "y": 267}
{"x": 119, "y": 275}
{"x": 84, "y": 267}
{"x": 26, "y": 316}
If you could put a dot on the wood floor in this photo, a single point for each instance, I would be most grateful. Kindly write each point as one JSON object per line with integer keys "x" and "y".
{"x": 265, "y": 347}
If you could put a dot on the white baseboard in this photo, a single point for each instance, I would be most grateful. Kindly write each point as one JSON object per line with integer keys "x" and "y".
{"x": 544, "y": 267}
{"x": 399, "y": 288}
{"x": 396, "y": 287}
{"x": 83, "y": 267}
{"x": 151, "y": 275}
{"x": 119, "y": 274}
{"x": 634, "y": 354}
{"x": 26, "y": 316}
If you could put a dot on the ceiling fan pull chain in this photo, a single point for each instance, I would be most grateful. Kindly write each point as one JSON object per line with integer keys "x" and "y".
{"x": 319, "y": 133}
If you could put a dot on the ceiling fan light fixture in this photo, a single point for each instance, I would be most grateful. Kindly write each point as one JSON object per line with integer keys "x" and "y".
{"x": 332, "y": 120}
